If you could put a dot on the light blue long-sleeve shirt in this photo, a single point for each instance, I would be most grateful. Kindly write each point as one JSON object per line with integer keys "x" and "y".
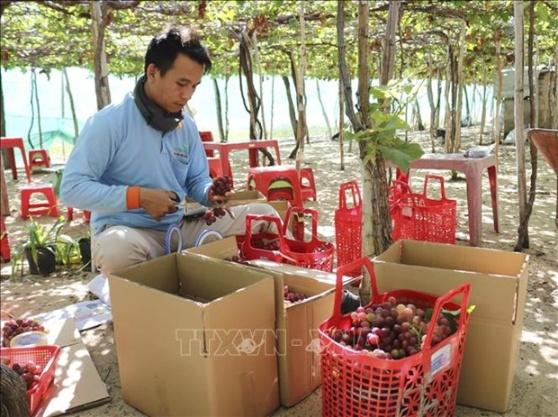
{"x": 117, "y": 149}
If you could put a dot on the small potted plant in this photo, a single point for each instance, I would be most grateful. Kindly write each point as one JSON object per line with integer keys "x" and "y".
{"x": 85, "y": 251}
{"x": 45, "y": 247}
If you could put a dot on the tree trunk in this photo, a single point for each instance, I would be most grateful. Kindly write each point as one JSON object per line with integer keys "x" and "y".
{"x": 420, "y": 125}
{"x": 518, "y": 116}
{"x": 2, "y": 110}
{"x": 523, "y": 231}
{"x": 32, "y": 106}
{"x": 375, "y": 215}
{"x": 219, "y": 109}
{"x": 227, "y": 125}
{"x": 72, "y": 105}
{"x": 341, "y": 127}
{"x": 343, "y": 68}
{"x": 453, "y": 130}
{"x": 483, "y": 107}
{"x": 431, "y": 104}
{"x": 497, "y": 40}
{"x": 253, "y": 99}
{"x": 302, "y": 129}
{"x": 272, "y": 106}
{"x": 260, "y": 78}
{"x": 99, "y": 22}
{"x": 467, "y": 107}
{"x": 438, "y": 97}
{"x": 324, "y": 113}
{"x": 38, "y": 103}
{"x": 300, "y": 124}
{"x": 292, "y": 114}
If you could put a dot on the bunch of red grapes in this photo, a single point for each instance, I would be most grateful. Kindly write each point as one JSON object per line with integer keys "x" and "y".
{"x": 390, "y": 330}
{"x": 30, "y": 372}
{"x": 292, "y": 296}
{"x": 14, "y": 327}
{"x": 221, "y": 186}
{"x": 266, "y": 245}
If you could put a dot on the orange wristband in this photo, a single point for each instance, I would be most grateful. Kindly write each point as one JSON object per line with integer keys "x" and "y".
{"x": 133, "y": 198}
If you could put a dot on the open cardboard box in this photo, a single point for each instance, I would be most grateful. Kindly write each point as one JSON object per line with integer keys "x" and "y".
{"x": 297, "y": 337}
{"x": 195, "y": 337}
{"x": 498, "y": 289}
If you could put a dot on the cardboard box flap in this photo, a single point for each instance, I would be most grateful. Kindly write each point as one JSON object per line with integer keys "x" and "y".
{"x": 77, "y": 384}
{"x": 409, "y": 264}
{"x": 220, "y": 249}
{"x": 481, "y": 260}
{"x": 192, "y": 267}
{"x": 159, "y": 273}
{"x": 326, "y": 277}
{"x": 502, "y": 306}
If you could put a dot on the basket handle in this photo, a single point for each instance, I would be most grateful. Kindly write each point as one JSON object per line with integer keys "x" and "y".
{"x": 442, "y": 187}
{"x": 300, "y": 210}
{"x": 347, "y": 269}
{"x": 351, "y": 186}
{"x": 464, "y": 290}
{"x": 255, "y": 217}
{"x": 407, "y": 194}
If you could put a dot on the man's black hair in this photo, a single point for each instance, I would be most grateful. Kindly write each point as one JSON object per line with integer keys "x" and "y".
{"x": 164, "y": 48}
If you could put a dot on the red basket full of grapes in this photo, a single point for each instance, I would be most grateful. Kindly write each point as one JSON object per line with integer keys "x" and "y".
{"x": 36, "y": 366}
{"x": 398, "y": 356}
{"x": 314, "y": 253}
{"x": 348, "y": 224}
{"x": 262, "y": 245}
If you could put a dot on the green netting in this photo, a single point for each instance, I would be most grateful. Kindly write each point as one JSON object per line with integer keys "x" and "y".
{"x": 50, "y": 136}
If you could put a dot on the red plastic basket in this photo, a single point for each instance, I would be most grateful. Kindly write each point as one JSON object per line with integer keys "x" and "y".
{"x": 246, "y": 244}
{"x": 356, "y": 384}
{"x": 348, "y": 225}
{"x": 44, "y": 356}
{"x": 313, "y": 254}
{"x": 415, "y": 216}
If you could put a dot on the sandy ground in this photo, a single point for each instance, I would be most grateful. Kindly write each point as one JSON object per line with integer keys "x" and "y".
{"x": 536, "y": 377}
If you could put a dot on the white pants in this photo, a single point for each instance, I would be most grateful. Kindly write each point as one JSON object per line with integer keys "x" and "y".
{"x": 121, "y": 246}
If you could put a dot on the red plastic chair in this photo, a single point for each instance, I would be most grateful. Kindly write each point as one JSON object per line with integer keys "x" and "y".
{"x": 215, "y": 169}
{"x": 50, "y": 208}
{"x": 39, "y": 158}
{"x": 5, "y": 252}
{"x": 261, "y": 179}
{"x": 86, "y": 215}
{"x": 207, "y": 136}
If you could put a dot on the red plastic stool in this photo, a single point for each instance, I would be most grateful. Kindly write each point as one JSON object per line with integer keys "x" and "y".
{"x": 207, "y": 136}
{"x": 215, "y": 169}
{"x": 49, "y": 208}
{"x": 307, "y": 184}
{"x": 39, "y": 158}
{"x": 86, "y": 215}
{"x": 261, "y": 178}
{"x": 5, "y": 252}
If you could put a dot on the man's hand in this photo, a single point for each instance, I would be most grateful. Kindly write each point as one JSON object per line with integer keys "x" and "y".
{"x": 157, "y": 202}
{"x": 218, "y": 200}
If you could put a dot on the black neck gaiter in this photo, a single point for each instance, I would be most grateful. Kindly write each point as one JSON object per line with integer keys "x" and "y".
{"x": 154, "y": 115}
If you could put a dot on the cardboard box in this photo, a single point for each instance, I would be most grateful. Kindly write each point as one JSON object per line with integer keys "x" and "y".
{"x": 239, "y": 198}
{"x": 195, "y": 337}
{"x": 498, "y": 289}
{"x": 298, "y": 352}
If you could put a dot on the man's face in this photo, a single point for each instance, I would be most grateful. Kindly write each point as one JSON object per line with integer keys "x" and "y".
{"x": 174, "y": 89}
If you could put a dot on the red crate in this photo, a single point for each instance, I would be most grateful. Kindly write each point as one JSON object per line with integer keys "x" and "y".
{"x": 415, "y": 216}
{"x": 354, "y": 383}
{"x": 44, "y": 356}
{"x": 348, "y": 225}
{"x": 315, "y": 253}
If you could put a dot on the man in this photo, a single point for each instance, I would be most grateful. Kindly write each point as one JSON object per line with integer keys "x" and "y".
{"x": 133, "y": 160}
